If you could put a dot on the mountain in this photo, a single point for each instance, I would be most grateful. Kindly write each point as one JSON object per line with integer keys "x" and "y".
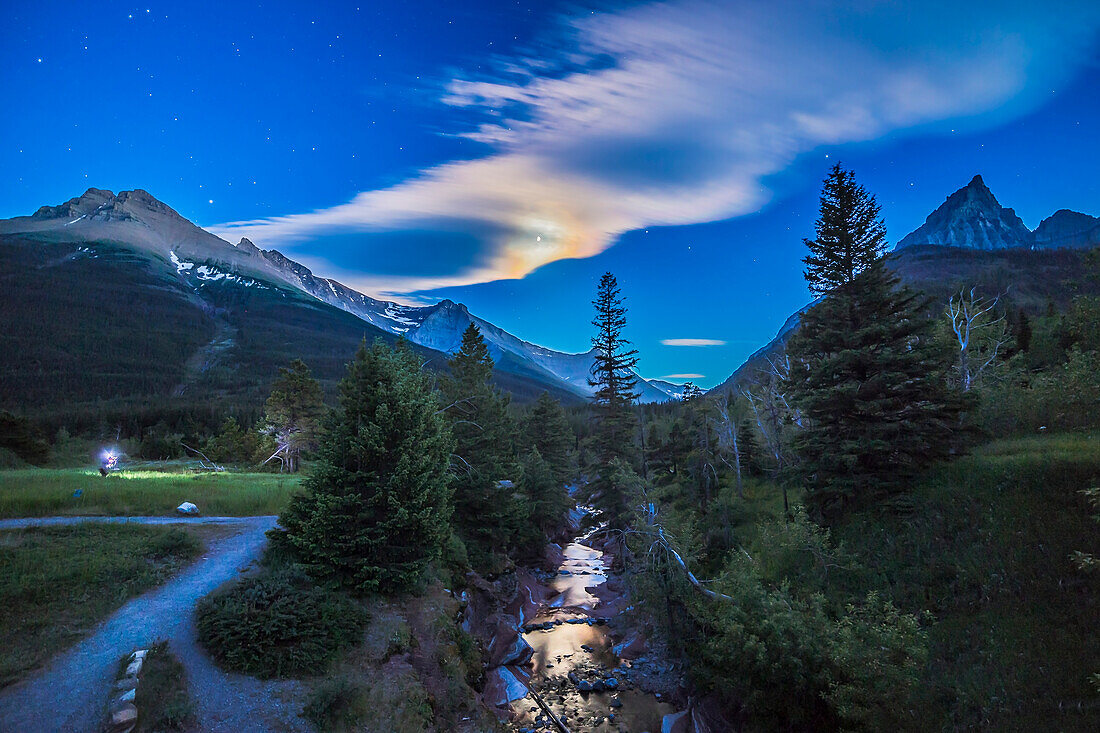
{"x": 130, "y": 309}
{"x": 972, "y": 218}
{"x": 973, "y": 241}
{"x": 440, "y": 326}
{"x": 1065, "y": 228}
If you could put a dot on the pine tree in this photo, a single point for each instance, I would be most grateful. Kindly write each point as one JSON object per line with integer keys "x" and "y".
{"x": 850, "y": 235}
{"x": 749, "y": 449}
{"x": 293, "y": 414}
{"x": 487, "y": 513}
{"x": 546, "y": 495}
{"x": 548, "y": 431}
{"x": 1023, "y": 332}
{"x": 376, "y": 506}
{"x": 614, "y": 381}
{"x": 868, "y": 374}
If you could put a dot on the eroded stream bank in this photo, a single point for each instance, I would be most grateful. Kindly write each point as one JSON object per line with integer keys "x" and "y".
{"x": 569, "y": 674}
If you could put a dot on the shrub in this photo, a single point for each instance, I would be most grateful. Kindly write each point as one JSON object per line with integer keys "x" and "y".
{"x": 337, "y": 704}
{"x": 394, "y": 701}
{"x": 277, "y": 625}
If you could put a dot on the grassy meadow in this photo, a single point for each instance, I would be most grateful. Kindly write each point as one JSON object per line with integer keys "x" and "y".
{"x": 986, "y": 547}
{"x": 40, "y": 492}
{"x": 57, "y": 583}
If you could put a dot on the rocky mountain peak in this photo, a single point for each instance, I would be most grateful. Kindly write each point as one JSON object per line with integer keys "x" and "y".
{"x": 973, "y": 218}
{"x": 82, "y": 205}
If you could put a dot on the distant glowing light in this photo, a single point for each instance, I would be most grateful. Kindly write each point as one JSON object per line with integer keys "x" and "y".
{"x": 108, "y": 459}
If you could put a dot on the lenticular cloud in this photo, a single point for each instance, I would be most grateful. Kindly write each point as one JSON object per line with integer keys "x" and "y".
{"x": 676, "y": 112}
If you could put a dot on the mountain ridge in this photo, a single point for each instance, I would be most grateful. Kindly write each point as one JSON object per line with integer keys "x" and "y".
{"x": 973, "y": 218}
{"x": 138, "y": 219}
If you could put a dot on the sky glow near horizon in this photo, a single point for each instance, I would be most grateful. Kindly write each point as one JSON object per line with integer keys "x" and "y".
{"x": 504, "y": 155}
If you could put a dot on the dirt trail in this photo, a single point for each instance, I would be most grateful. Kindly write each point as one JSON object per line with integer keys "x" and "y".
{"x": 72, "y": 691}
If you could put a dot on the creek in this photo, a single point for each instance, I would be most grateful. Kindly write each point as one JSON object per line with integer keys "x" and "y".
{"x": 574, "y": 670}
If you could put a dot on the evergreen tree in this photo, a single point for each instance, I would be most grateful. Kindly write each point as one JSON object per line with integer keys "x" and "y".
{"x": 700, "y": 459}
{"x": 749, "y": 449}
{"x": 614, "y": 382}
{"x": 548, "y": 431}
{"x": 1023, "y": 332}
{"x": 850, "y": 235}
{"x": 868, "y": 374}
{"x": 376, "y": 507}
{"x": 487, "y": 513}
{"x": 293, "y": 414}
{"x": 546, "y": 495}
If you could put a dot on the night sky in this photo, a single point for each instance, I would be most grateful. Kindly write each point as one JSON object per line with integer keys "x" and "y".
{"x": 506, "y": 154}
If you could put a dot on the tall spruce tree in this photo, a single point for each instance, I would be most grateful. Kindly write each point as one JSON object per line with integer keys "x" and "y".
{"x": 488, "y": 514}
{"x": 613, "y": 399}
{"x": 850, "y": 234}
{"x": 376, "y": 506}
{"x": 868, "y": 374}
{"x": 549, "y": 432}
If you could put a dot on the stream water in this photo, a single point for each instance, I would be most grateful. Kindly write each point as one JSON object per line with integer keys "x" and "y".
{"x": 574, "y": 668}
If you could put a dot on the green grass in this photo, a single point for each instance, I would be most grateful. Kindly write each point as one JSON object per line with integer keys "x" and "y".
{"x": 986, "y": 548}
{"x": 56, "y": 583}
{"x": 163, "y": 700}
{"x": 39, "y": 492}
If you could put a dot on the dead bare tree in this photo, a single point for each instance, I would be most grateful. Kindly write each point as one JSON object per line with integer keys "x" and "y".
{"x": 662, "y": 546}
{"x": 204, "y": 461}
{"x": 980, "y": 331}
{"x": 727, "y": 439}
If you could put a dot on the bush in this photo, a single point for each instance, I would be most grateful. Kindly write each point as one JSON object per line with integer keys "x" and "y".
{"x": 395, "y": 702}
{"x": 277, "y": 625}
{"x": 337, "y": 704}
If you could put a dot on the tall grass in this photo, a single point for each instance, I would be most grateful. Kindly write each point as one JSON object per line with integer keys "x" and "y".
{"x": 986, "y": 547}
{"x": 38, "y": 492}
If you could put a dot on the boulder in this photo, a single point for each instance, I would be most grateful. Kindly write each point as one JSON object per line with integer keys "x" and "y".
{"x": 126, "y": 683}
{"x": 123, "y": 718}
{"x": 187, "y": 508}
{"x": 519, "y": 652}
{"x": 502, "y": 687}
{"x": 133, "y": 669}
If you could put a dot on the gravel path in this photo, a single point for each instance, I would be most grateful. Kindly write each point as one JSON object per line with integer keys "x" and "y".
{"x": 72, "y": 691}
{"x": 67, "y": 521}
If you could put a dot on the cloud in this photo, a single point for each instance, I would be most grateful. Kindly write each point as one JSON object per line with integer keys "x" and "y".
{"x": 693, "y": 342}
{"x": 677, "y": 112}
{"x": 684, "y": 376}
